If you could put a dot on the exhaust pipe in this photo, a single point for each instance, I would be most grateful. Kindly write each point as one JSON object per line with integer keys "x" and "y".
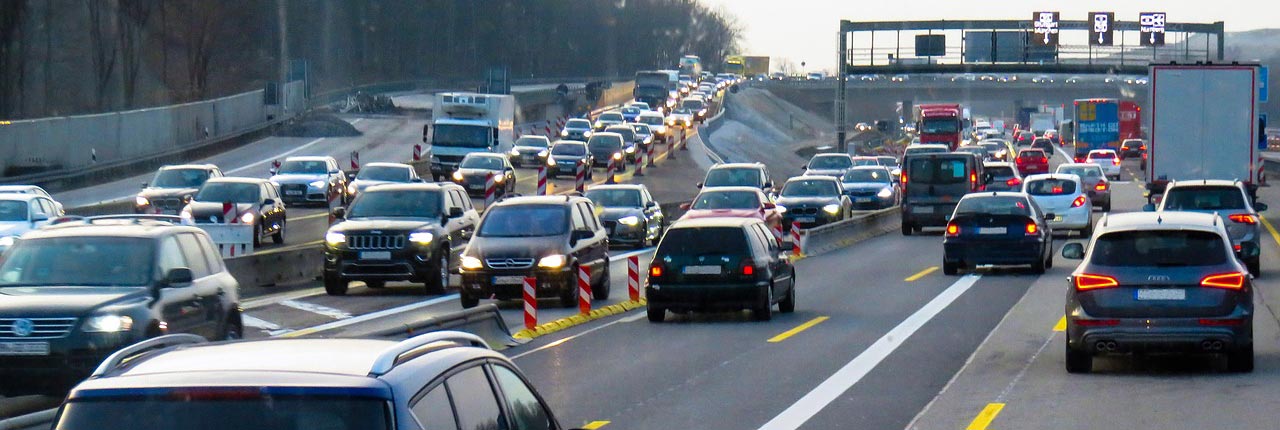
{"x": 1111, "y": 346}
{"x": 1217, "y": 345}
{"x": 1100, "y": 346}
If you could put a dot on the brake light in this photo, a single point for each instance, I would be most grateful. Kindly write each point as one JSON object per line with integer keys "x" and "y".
{"x": 973, "y": 178}
{"x": 1230, "y": 281}
{"x": 1226, "y": 322}
{"x": 953, "y": 229}
{"x": 748, "y": 268}
{"x": 1078, "y": 202}
{"x": 1115, "y": 161}
{"x": 1243, "y": 218}
{"x": 1102, "y": 186}
{"x": 1013, "y": 182}
{"x": 1032, "y": 229}
{"x": 655, "y": 271}
{"x": 1142, "y": 148}
{"x": 1086, "y": 282}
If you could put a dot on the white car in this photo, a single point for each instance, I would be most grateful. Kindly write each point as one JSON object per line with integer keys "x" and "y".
{"x": 680, "y": 117}
{"x": 30, "y": 189}
{"x": 1064, "y": 197}
{"x": 1107, "y": 160}
{"x": 20, "y": 213}
{"x": 657, "y": 124}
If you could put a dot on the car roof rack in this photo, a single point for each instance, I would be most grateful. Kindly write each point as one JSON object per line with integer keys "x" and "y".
{"x": 119, "y": 357}
{"x": 389, "y": 358}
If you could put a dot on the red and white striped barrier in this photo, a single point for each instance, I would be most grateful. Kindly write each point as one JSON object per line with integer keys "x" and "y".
{"x": 584, "y": 290}
{"x": 777, "y": 232}
{"x": 489, "y": 190}
{"x": 417, "y": 152}
{"x": 633, "y": 277}
{"x": 795, "y": 239}
{"x": 355, "y": 160}
{"x": 684, "y": 139}
{"x": 275, "y": 166}
{"x": 230, "y": 213}
{"x": 640, "y": 163}
{"x": 579, "y": 176}
{"x": 609, "y": 171}
{"x": 649, "y": 154}
{"x": 530, "y": 303}
{"x": 542, "y": 180}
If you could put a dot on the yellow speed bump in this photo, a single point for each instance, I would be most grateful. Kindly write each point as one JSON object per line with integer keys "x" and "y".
{"x": 564, "y": 323}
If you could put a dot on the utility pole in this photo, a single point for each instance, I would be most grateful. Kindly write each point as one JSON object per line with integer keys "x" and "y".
{"x": 841, "y": 81}
{"x": 282, "y": 19}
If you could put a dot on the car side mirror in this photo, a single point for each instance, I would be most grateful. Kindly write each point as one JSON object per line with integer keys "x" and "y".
{"x": 1149, "y": 207}
{"x": 804, "y": 167}
{"x": 579, "y": 235}
{"x": 1260, "y": 207}
{"x": 698, "y": 185}
{"x": 455, "y": 212}
{"x": 178, "y": 277}
{"x": 768, "y": 185}
{"x": 339, "y": 213}
{"x": 269, "y": 202}
{"x": 653, "y": 205}
{"x": 1073, "y": 251}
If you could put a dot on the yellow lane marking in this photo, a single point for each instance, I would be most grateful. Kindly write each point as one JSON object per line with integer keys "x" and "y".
{"x": 1270, "y": 229}
{"x": 985, "y": 417}
{"x": 802, "y": 327}
{"x": 922, "y": 274}
{"x": 1061, "y": 325}
{"x": 595, "y": 425}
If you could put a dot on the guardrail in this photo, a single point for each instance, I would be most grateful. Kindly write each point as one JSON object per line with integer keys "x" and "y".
{"x": 863, "y": 226}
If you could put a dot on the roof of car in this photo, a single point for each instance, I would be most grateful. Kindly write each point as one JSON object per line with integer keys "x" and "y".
{"x": 308, "y": 158}
{"x": 616, "y": 187}
{"x": 539, "y": 200}
{"x": 1043, "y": 176}
{"x": 1203, "y": 182}
{"x": 571, "y": 142}
{"x": 618, "y": 127}
{"x": 188, "y": 166}
{"x": 111, "y": 228}
{"x": 341, "y": 356}
{"x": 714, "y": 222}
{"x": 993, "y": 194}
{"x": 1102, "y": 151}
{"x": 606, "y": 134}
{"x": 1166, "y": 220}
{"x": 928, "y": 145}
{"x": 998, "y": 164}
{"x": 828, "y": 154}
{"x": 738, "y": 166}
{"x": 815, "y": 178}
{"x": 236, "y": 180}
{"x": 431, "y": 186}
{"x": 485, "y": 154}
{"x": 876, "y": 167}
{"x": 533, "y": 136}
{"x": 651, "y": 113}
{"x": 738, "y": 188}
{"x": 381, "y": 164}
{"x": 19, "y": 196}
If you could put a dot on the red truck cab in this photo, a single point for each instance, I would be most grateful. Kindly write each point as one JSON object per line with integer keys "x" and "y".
{"x": 939, "y": 123}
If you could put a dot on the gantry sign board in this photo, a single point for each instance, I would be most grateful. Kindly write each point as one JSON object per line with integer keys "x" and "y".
{"x": 1103, "y": 31}
{"x": 1151, "y": 25}
{"x": 1045, "y": 28}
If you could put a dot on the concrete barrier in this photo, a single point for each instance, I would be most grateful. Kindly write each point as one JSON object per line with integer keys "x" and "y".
{"x": 42, "y": 419}
{"x": 298, "y": 263}
{"x": 484, "y": 321}
{"x": 862, "y": 226}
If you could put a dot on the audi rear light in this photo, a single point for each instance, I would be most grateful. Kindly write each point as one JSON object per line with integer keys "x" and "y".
{"x": 655, "y": 271}
{"x": 1096, "y": 323}
{"x": 1102, "y": 186}
{"x": 1142, "y": 148}
{"x": 1115, "y": 161}
{"x": 1228, "y": 281}
{"x": 1243, "y": 218}
{"x": 1224, "y": 322}
{"x": 1078, "y": 202}
{"x": 1086, "y": 282}
{"x": 953, "y": 229}
{"x": 1032, "y": 229}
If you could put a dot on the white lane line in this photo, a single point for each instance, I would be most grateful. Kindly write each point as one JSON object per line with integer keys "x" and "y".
{"x": 831, "y": 389}
{"x": 356, "y": 120}
{"x": 370, "y": 316}
{"x": 337, "y": 314}
{"x": 632, "y": 318}
{"x": 249, "y": 321}
{"x": 280, "y": 155}
{"x": 265, "y": 301}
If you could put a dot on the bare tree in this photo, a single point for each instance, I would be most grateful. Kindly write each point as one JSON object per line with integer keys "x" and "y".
{"x": 197, "y": 22}
{"x": 103, "y": 46}
{"x": 133, "y": 16}
{"x": 12, "y": 57}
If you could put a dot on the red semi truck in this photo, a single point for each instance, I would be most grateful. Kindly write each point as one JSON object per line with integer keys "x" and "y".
{"x": 1130, "y": 120}
{"x": 940, "y": 123}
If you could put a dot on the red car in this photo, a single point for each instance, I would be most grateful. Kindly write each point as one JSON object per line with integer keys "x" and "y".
{"x": 733, "y": 202}
{"x": 1032, "y": 161}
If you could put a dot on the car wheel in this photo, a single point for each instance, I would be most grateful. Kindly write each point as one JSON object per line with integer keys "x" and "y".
{"x": 335, "y": 285}
{"x": 468, "y": 301}
{"x": 656, "y": 314}
{"x": 906, "y": 229}
{"x": 233, "y": 329}
{"x": 1078, "y": 361}
{"x": 1038, "y": 267}
{"x": 278, "y": 237}
{"x": 788, "y": 303}
{"x": 439, "y": 274}
{"x": 1254, "y": 264}
{"x": 950, "y": 269}
{"x": 1241, "y": 359}
{"x": 257, "y": 235}
{"x": 601, "y": 292}
{"x": 764, "y": 311}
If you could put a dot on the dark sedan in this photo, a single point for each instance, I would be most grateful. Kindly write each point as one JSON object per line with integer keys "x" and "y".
{"x": 566, "y": 156}
{"x": 474, "y": 171}
{"x": 997, "y": 228}
{"x": 229, "y": 200}
{"x": 629, "y": 213}
{"x": 812, "y": 201}
{"x": 172, "y": 188}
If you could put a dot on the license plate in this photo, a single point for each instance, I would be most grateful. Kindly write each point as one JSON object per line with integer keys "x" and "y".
{"x": 1161, "y": 294}
{"x": 375, "y": 255}
{"x": 702, "y": 270}
{"x": 508, "y": 280}
{"x": 805, "y": 219}
{"x": 24, "y": 348}
{"x": 862, "y": 200}
{"x": 293, "y": 192}
{"x": 1057, "y": 218}
{"x": 993, "y": 230}
{"x": 477, "y": 187}
{"x": 922, "y": 209}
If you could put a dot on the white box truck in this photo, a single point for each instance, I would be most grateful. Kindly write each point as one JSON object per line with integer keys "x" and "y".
{"x": 462, "y": 123}
{"x": 1204, "y": 124}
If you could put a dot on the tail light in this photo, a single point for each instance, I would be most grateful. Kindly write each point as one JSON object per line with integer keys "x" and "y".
{"x": 973, "y": 178}
{"x": 1032, "y": 229}
{"x": 1243, "y": 218}
{"x": 953, "y": 229}
{"x": 1115, "y": 161}
{"x": 1086, "y": 282}
{"x": 1078, "y": 202}
{"x": 1096, "y": 323}
{"x": 1013, "y": 182}
{"x": 748, "y": 268}
{"x": 655, "y": 271}
{"x": 1229, "y": 281}
{"x": 1102, "y": 186}
{"x": 1142, "y": 148}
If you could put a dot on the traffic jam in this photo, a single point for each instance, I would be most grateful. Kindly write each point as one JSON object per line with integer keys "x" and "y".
{"x": 469, "y": 279}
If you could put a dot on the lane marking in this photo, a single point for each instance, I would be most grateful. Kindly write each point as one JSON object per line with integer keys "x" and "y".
{"x": 270, "y": 159}
{"x": 305, "y": 217}
{"x": 595, "y": 425}
{"x": 370, "y": 316}
{"x": 249, "y": 321}
{"x": 337, "y": 314}
{"x": 985, "y": 417}
{"x": 1270, "y": 229}
{"x": 802, "y": 327}
{"x": 279, "y": 297}
{"x": 921, "y": 274}
{"x": 559, "y": 342}
{"x": 1061, "y": 325}
{"x": 835, "y": 385}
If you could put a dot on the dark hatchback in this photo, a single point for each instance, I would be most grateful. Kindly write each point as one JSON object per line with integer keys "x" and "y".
{"x": 172, "y": 188}
{"x": 933, "y": 183}
{"x": 399, "y": 233}
{"x": 545, "y": 237}
{"x": 1159, "y": 282}
{"x": 629, "y": 213}
{"x": 720, "y": 264}
{"x": 566, "y": 156}
{"x": 997, "y": 228}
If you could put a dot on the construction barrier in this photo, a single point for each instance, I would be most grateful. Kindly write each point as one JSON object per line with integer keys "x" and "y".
{"x": 579, "y": 177}
{"x": 530, "y": 303}
{"x": 489, "y": 190}
{"x": 233, "y": 240}
{"x": 609, "y": 179}
{"x": 542, "y": 179}
{"x": 640, "y": 163}
{"x": 649, "y": 154}
{"x": 633, "y": 277}
{"x": 777, "y": 232}
{"x": 584, "y": 290}
{"x": 355, "y": 160}
{"x": 795, "y": 240}
{"x": 684, "y": 139}
{"x": 417, "y": 152}
{"x": 861, "y": 226}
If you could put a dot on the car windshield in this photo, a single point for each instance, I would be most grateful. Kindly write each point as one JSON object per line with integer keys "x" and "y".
{"x": 461, "y": 136}
{"x": 384, "y": 173}
{"x": 13, "y": 210}
{"x": 578, "y": 124}
{"x": 611, "y": 116}
{"x": 1051, "y": 187}
{"x": 1031, "y": 155}
{"x": 398, "y": 203}
{"x": 866, "y": 175}
{"x": 210, "y": 411}
{"x": 532, "y": 141}
{"x": 571, "y": 150}
{"x": 304, "y": 167}
{"x": 614, "y": 198}
{"x": 235, "y": 192}
{"x": 745, "y": 177}
{"x": 180, "y": 178}
{"x": 993, "y": 205}
{"x": 939, "y": 126}
{"x": 482, "y": 163}
{"x": 605, "y": 143}
{"x": 711, "y": 200}
{"x": 692, "y": 104}
{"x": 831, "y": 163}
{"x": 630, "y": 111}
{"x": 651, "y": 120}
{"x": 810, "y": 188}
{"x": 641, "y": 129}
{"x": 1160, "y": 248}
{"x": 79, "y": 261}
{"x": 1084, "y": 172}
{"x": 889, "y": 162}
{"x": 937, "y": 170}
{"x": 694, "y": 242}
{"x": 525, "y": 221}
{"x": 1202, "y": 198}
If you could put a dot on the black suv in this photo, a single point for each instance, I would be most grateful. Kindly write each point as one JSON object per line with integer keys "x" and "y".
{"x": 73, "y": 293}
{"x": 547, "y": 237}
{"x": 173, "y": 187}
{"x": 720, "y": 263}
{"x": 933, "y": 183}
{"x": 402, "y": 232}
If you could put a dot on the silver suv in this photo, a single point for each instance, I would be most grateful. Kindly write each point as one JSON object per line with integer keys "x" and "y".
{"x": 1227, "y": 199}
{"x": 436, "y": 380}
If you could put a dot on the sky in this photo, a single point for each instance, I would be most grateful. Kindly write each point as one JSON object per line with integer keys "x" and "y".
{"x": 805, "y": 30}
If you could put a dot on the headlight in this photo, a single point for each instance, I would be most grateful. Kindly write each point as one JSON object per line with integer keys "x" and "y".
{"x": 248, "y": 218}
{"x": 421, "y": 237}
{"x": 457, "y": 176}
{"x": 317, "y": 184}
{"x": 551, "y": 162}
{"x": 564, "y": 133}
{"x": 141, "y": 201}
{"x": 471, "y": 263}
{"x": 351, "y": 189}
{"x": 515, "y": 152}
{"x": 334, "y": 238}
{"x": 587, "y": 133}
{"x": 831, "y": 209}
{"x": 108, "y": 324}
{"x": 617, "y": 156}
{"x": 7, "y": 241}
{"x": 629, "y": 220}
{"x": 648, "y": 140}
{"x": 499, "y": 178}
{"x": 543, "y": 153}
{"x": 885, "y": 192}
{"x": 631, "y": 149}
{"x": 552, "y": 261}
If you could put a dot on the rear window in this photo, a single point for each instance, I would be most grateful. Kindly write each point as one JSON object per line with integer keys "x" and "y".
{"x": 1031, "y": 155}
{"x": 266, "y": 412}
{"x": 747, "y": 177}
{"x": 701, "y": 241}
{"x": 1203, "y": 199}
{"x": 1051, "y": 187}
{"x": 1102, "y": 155}
{"x": 1081, "y": 171}
{"x": 830, "y": 162}
{"x": 1000, "y": 170}
{"x": 994, "y": 205}
{"x": 711, "y": 200}
{"x": 577, "y": 123}
{"x": 1162, "y": 248}
{"x": 525, "y": 221}
{"x": 937, "y": 170}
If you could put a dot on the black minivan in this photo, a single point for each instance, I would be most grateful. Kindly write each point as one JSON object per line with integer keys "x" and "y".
{"x": 933, "y": 183}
